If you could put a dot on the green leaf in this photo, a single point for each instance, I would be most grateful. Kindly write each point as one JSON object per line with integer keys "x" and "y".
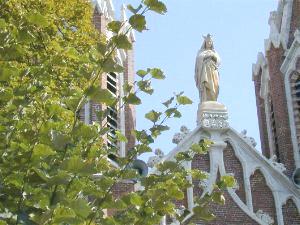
{"x": 142, "y": 73}
{"x": 136, "y": 199}
{"x": 168, "y": 102}
{"x": 110, "y": 65}
{"x": 6, "y": 72}
{"x": 64, "y": 215}
{"x": 203, "y": 213}
{"x": 114, "y": 26}
{"x": 37, "y": 19}
{"x": 145, "y": 86}
{"x": 157, "y": 129}
{"x": 156, "y": 6}
{"x": 81, "y": 207}
{"x": 183, "y": 100}
{"x": 2, "y": 23}
{"x": 157, "y": 73}
{"x": 199, "y": 175}
{"x": 99, "y": 95}
{"x": 62, "y": 177}
{"x": 41, "y": 151}
{"x": 59, "y": 140}
{"x": 133, "y": 10}
{"x": 6, "y": 94}
{"x": 183, "y": 156}
{"x": 77, "y": 165}
{"x": 197, "y": 148}
{"x": 138, "y": 22}
{"x": 127, "y": 87}
{"x": 120, "y": 137}
{"x": 153, "y": 116}
{"x": 229, "y": 181}
{"x": 121, "y": 41}
{"x": 218, "y": 197}
{"x": 133, "y": 99}
{"x": 142, "y": 148}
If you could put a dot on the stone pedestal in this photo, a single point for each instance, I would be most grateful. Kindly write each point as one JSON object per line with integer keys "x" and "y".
{"x": 212, "y": 115}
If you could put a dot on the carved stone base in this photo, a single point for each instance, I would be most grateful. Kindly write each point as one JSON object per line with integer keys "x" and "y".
{"x": 212, "y": 115}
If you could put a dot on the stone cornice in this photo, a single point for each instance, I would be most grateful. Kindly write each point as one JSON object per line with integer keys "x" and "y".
{"x": 279, "y": 22}
{"x": 291, "y": 55}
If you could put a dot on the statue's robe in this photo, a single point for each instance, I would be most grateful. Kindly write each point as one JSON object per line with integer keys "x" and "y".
{"x": 207, "y": 75}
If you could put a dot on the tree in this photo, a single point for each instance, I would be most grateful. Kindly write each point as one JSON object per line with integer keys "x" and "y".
{"x": 51, "y": 59}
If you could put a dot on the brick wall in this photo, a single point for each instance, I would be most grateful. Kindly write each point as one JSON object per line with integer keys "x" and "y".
{"x": 228, "y": 214}
{"x": 99, "y": 21}
{"x": 275, "y": 58}
{"x": 233, "y": 165}
{"x": 290, "y": 213}
{"x": 200, "y": 162}
{"x": 262, "y": 121}
{"x": 130, "y": 118}
{"x": 262, "y": 195}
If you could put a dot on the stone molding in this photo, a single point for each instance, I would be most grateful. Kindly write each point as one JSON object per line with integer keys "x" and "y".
{"x": 287, "y": 68}
{"x": 279, "y": 22}
{"x": 105, "y": 7}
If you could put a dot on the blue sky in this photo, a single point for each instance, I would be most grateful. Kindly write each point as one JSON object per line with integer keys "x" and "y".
{"x": 239, "y": 28}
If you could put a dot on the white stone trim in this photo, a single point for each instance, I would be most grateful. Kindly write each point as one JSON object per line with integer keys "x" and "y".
{"x": 262, "y": 64}
{"x": 189, "y": 191}
{"x": 280, "y": 35}
{"x": 105, "y": 7}
{"x": 287, "y": 68}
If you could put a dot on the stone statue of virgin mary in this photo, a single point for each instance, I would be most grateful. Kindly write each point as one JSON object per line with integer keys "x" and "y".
{"x": 206, "y": 71}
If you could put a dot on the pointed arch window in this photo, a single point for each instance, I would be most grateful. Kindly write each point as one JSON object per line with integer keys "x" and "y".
{"x": 273, "y": 129}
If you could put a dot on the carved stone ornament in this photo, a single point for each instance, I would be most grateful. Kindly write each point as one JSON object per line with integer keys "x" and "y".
{"x": 214, "y": 120}
{"x": 264, "y": 217}
{"x": 153, "y": 160}
{"x": 250, "y": 140}
{"x": 212, "y": 115}
{"x": 277, "y": 165}
{"x": 178, "y": 137}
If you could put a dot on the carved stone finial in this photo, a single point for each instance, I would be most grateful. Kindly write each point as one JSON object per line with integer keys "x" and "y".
{"x": 153, "y": 160}
{"x": 279, "y": 166}
{"x": 178, "y": 137}
{"x": 250, "y": 140}
{"x": 263, "y": 216}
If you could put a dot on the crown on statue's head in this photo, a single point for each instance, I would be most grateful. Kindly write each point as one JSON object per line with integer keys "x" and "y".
{"x": 207, "y": 37}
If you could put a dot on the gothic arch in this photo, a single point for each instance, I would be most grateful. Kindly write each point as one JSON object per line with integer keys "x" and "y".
{"x": 262, "y": 194}
{"x": 234, "y": 165}
{"x": 290, "y": 212}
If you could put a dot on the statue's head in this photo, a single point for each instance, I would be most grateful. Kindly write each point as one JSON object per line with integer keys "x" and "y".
{"x": 208, "y": 42}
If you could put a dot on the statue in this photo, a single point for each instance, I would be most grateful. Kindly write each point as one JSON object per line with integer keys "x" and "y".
{"x": 206, "y": 71}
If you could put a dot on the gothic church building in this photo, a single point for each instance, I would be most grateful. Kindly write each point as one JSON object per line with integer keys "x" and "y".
{"x": 268, "y": 184}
